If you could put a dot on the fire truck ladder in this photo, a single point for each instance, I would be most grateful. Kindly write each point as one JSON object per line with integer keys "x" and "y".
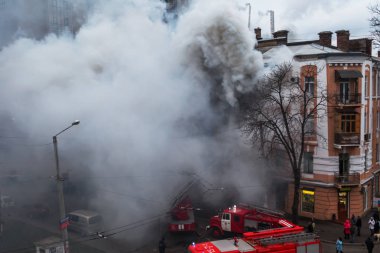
{"x": 289, "y": 238}
{"x": 264, "y": 210}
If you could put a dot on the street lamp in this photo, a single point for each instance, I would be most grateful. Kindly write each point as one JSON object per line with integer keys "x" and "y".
{"x": 61, "y": 201}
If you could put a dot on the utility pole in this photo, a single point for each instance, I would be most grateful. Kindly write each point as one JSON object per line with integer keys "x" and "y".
{"x": 61, "y": 201}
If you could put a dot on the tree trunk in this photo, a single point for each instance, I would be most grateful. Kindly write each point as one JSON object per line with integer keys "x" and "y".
{"x": 297, "y": 180}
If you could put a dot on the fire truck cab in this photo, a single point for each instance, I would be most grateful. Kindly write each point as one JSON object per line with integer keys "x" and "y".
{"x": 243, "y": 218}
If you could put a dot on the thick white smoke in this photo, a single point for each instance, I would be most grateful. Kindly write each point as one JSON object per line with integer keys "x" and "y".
{"x": 142, "y": 93}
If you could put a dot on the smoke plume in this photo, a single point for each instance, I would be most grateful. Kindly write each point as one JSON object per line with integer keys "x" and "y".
{"x": 152, "y": 100}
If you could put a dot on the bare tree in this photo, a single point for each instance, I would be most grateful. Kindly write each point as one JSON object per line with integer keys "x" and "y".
{"x": 281, "y": 114}
{"x": 374, "y": 22}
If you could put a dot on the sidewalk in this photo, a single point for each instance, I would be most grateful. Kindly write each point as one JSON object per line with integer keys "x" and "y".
{"x": 329, "y": 231}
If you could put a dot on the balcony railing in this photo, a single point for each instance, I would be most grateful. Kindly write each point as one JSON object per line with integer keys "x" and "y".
{"x": 348, "y": 99}
{"x": 347, "y": 138}
{"x": 347, "y": 178}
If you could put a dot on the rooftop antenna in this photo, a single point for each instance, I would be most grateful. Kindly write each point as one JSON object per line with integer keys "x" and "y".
{"x": 249, "y": 15}
{"x": 271, "y": 13}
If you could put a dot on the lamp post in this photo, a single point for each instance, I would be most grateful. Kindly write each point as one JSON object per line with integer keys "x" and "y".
{"x": 61, "y": 201}
{"x": 249, "y": 15}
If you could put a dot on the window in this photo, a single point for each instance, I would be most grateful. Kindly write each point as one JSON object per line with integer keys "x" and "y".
{"x": 308, "y": 162}
{"x": 344, "y": 164}
{"x": 226, "y": 216}
{"x": 309, "y": 85}
{"x": 95, "y": 219}
{"x": 366, "y": 86}
{"x": 236, "y": 218}
{"x": 344, "y": 92}
{"x": 73, "y": 218}
{"x": 377, "y": 152}
{"x": 377, "y": 186}
{"x": 378, "y": 85}
{"x": 348, "y": 123}
{"x": 309, "y": 125}
{"x": 307, "y": 203}
{"x": 378, "y": 119}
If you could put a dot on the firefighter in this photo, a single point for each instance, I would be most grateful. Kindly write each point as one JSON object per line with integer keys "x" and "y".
{"x": 236, "y": 240}
{"x": 162, "y": 245}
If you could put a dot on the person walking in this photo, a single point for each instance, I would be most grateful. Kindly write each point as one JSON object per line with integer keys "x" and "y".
{"x": 311, "y": 226}
{"x": 162, "y": 245}
{"x": 353, "y": 219}
{"x": 369, "y": 243}
{"x": 339, "y": 245}
{"x": 371, "y": 225}
{"x": 352, "y": 232}
{"x": 347, "y": 229}
{"x": 359, "y": 224}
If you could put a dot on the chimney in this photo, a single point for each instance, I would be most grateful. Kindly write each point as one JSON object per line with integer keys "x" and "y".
{"x": 325, "y": 38}
{"x": 258, "y": 33}
{"x": 281, "y": 34}
{"x": 343, "y": 40}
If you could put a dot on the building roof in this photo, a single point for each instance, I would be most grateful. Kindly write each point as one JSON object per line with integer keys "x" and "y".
{"x": 306, "y": 49}
{"x": 49, "y": 242}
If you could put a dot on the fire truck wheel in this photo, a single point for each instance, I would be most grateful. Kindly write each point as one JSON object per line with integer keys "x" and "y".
{"x": 216, "y": 232}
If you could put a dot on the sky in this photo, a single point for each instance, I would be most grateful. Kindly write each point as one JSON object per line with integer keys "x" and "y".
{"x": 305, "y": 19}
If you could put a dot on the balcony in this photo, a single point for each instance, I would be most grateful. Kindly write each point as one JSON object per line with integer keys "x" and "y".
{"x": 347, "y": 139}
{"x": 348, "y": 99}
{"x": 347, "y": 179}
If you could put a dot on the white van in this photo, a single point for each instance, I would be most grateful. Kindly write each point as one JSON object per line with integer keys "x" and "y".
{"x": 85, "y": 222}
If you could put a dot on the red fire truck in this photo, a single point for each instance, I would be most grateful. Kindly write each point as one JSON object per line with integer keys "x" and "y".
{"x": 274, "y": 240}
{"x": 182, "y": 217}
{"x": 243, "y": 218}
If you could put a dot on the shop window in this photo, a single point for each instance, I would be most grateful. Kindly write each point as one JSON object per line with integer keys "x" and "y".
{"x": 308, "y": 162}
{"x": 308, "y": 199}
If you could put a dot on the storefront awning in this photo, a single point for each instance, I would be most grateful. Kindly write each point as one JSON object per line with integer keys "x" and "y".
{"x": 347, "y": 74}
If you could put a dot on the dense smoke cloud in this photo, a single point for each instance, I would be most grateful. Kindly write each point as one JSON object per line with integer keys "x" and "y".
{"x": 148, "y": 98}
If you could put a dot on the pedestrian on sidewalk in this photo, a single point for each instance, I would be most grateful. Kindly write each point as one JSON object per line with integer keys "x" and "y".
{"x": 369, "y": 243}
{"x": 358, "y": 224}
{"x": 353, "y": 232}
{"x": 347, "y": 229}
{"x": 371, "y": 225}
{"x": 339, "y": 245}
{"x": 311, "y": 226}
{"x": 162, "y": 245}
{"x": 353, "y": 219}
